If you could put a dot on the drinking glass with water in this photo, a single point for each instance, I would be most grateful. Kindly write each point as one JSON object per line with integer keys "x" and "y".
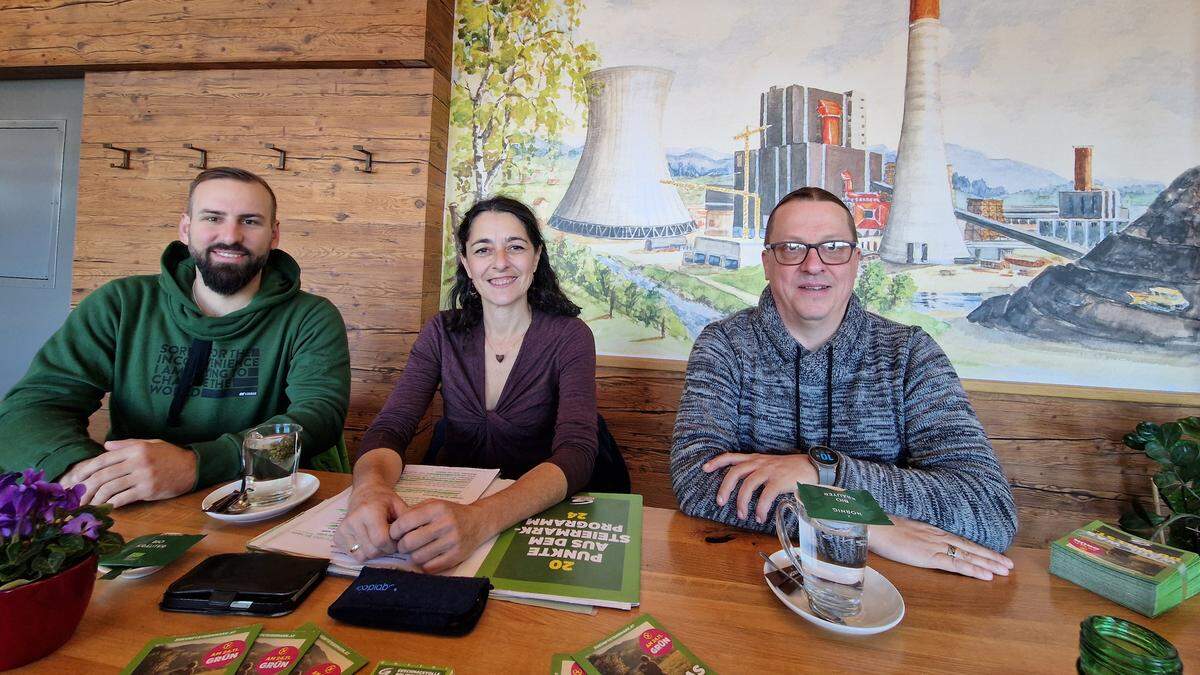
{"x": 833, "y": 558}
{"x": 270, "y": 457}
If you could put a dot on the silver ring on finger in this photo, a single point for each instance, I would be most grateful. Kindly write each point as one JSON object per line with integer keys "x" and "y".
{"x": 355, "y": 548}
{"x": 953, "y": 551}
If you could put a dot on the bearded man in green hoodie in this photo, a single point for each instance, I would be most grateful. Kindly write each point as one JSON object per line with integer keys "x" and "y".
{"x": 221, "y": 340}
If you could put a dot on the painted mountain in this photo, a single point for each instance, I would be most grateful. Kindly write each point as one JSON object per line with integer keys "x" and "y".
{"x": 696, "y": 162}
{"x": 1139, "y": 285}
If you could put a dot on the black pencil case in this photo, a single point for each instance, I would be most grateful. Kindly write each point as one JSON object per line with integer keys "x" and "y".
{"x": 261, "y": 584}
{"x": 425, "y": 603}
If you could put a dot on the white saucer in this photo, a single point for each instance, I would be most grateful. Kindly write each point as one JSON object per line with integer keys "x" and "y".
{"x": 882, "y": 606}
{"x": 306, "y": 486}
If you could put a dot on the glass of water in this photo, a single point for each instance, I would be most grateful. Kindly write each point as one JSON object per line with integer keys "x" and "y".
{"x": 833, "y": 558}
{"x": 270, "y": 456}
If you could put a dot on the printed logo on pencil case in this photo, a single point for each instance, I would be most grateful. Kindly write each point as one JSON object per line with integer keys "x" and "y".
{"x": 372, "y": 588}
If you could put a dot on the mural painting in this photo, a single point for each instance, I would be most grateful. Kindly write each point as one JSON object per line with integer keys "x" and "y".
{"x": 1021, "y": 174}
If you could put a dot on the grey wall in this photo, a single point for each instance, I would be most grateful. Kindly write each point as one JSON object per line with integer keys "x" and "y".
{"x": 30, "y": 314}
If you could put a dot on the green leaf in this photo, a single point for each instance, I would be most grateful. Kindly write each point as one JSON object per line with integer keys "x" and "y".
{"x": 1132, "y": 440}
{"x": 13, "y": 550}
{"x": 1171, "y": 432}
{"x": 1184, "y": 453}
{"x": 1146, "y": 430}
{"x": 1190, "y": 425}
{"x": 43, "y": 566}
{"x": 1156, "y": 451}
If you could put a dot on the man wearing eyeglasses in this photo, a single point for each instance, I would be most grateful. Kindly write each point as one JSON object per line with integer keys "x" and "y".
{"x": 809, "y": 387}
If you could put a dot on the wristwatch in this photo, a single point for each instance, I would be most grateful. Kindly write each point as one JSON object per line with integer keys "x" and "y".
{"x": 825, "y": 461}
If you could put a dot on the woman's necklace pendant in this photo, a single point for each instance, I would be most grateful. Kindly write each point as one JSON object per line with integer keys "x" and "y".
{"x": 500, "y": 358}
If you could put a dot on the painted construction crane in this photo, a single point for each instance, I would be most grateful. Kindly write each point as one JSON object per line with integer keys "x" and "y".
{"x": 752, "y": 198}
{"x": 744, "y": 136}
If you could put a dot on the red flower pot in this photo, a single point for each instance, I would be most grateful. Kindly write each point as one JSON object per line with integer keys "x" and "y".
{"x": 37, "y": 618}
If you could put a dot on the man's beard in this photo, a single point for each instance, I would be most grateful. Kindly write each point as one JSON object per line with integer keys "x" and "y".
{"x": 227, "y": 278}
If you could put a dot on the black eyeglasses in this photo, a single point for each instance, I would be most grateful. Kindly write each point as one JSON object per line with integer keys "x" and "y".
{"x": 795, "y": 252}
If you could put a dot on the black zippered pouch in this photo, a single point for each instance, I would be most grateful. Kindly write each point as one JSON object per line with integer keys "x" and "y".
{"x": 258, "y": 584}
{"x": 425, "y": 603}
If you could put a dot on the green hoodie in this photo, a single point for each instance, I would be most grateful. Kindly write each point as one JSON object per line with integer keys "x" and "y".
{"x": 282, "y": 358}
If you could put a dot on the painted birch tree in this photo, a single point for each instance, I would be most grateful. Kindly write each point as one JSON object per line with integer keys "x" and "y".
{"x": 516, "y": 61}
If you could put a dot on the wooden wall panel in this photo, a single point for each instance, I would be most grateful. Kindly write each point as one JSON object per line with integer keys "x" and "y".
{"x": 360, "y": 238}
{"x": 1063, "y": 456}
{"x": 55, "y": 36}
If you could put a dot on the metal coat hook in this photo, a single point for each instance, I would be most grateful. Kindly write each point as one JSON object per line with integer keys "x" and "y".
{"x": 124, "y": 156}
{"x": 203, "y": 156}
{"x": 370, "y": 168}
{"x": 282, "y": 165}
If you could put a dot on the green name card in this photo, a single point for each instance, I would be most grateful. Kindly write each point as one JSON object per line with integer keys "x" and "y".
{"x": 847, "y": 506}
{"x": 151, "y": 550}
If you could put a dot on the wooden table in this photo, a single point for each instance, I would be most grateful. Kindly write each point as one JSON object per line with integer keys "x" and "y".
{"x": 701, "y": 580}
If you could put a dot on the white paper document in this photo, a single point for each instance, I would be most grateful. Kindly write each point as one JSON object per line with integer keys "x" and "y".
{"x": 311, "y": 533}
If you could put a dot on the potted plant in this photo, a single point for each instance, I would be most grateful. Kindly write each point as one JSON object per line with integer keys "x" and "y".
{"x": 1175, "y": 446}
{"x": 49, "y": 546}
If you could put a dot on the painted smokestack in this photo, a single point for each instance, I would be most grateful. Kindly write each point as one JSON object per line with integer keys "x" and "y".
{"x": 922, "y": 227}
{"x": 1083, "y": 167}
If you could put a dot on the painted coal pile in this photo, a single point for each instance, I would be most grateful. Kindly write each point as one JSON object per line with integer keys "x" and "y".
{"x": 1139, "y": 285}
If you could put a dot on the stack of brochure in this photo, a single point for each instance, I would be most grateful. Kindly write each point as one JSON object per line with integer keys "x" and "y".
{"x": 248, "y": 650}
{"x": 1145, "y": 576}
{"x": 640, "y": 646}
{"x": 584, "y": 552}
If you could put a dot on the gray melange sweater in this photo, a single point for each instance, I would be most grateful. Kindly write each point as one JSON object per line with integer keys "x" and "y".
{"x": 901, "y": 420}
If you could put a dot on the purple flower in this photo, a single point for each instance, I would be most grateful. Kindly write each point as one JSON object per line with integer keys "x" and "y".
{"x": 85, "y": 524}
{"x": 17, "y": 508}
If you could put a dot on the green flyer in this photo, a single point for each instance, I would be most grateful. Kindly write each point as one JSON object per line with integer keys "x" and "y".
{"x": 278, "y": 652}
{"x": 217, "y": 653}
{"x": 327, "y": 655}
{"x": 397, "y": 668}
{"x": 151, "y": 550}
{"x": 640, "y": 646}
{"x": 847, "y": 506}
{"x": 564, "y": 664}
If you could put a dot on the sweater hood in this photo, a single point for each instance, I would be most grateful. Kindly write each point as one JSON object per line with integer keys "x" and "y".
{"x": 280, "y": 282}
{"x": 785, "y": 349}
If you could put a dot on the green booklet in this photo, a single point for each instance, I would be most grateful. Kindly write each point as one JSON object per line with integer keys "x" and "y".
{"x": 397, "y": 668}
{"x": 148, "y": 551}
{"x": 586, "y": 550}
{"x": 1142, "y": 575}
{"x": 327, "y": 656}
{"x": 214, "y": 653}
{"x": 640, "y": 646}
{"x": 847, "y": 506}
{"x": 564, "y": 664}
{"x": 278, "y": 652}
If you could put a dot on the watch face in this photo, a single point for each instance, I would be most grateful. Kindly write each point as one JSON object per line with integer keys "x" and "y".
{"x": 823, "y": 455}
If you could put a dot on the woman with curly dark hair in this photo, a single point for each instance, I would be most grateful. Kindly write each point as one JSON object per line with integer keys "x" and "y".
{"x": 517, "y": 370}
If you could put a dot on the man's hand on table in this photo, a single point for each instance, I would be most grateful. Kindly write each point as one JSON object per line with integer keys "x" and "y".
{"x": 134, "y": 470}
{"x": 922, "y": 545}
{"x": 365, "y": 531}
{"x": 440, "y": 534}
{"x": 776, "y": 474}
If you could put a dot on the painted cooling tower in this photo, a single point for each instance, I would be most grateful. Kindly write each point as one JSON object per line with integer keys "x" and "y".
{"x": 616, "y": 191}
{"x": 922, "y": 227}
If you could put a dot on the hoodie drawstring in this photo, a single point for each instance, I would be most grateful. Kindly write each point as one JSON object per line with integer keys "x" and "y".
{"x": 192, "y": 375}
{"x": 800, "y": 444}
